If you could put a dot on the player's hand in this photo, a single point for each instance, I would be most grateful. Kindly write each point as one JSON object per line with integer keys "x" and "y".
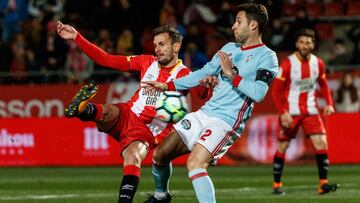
{"x": 209, "y": 81}
{"x": 66, "y": 31}
{"x": 226, "y": 65}
{"x": 157, "y": 85}
{"x": 328, "y": 110}
{"x": 286, "y": 120}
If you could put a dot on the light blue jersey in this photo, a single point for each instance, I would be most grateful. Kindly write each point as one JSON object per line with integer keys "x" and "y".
{"x": 256, "y": 65}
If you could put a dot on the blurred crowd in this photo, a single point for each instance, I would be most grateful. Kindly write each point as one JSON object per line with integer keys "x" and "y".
{"x": 31, "y": 51}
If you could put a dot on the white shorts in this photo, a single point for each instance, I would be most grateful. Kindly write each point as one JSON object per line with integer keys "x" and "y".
{"x": 213, "y": 133}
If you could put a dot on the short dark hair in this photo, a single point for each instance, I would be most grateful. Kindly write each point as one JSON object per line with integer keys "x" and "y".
{"x": 174, "y": 34}
{"x": 255, "y": 12}
{"x": 305, "y": 32}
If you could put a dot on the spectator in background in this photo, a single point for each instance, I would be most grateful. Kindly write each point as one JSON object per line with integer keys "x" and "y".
{"x": 13, "y": 12}
{"x": 354, "y": 36}
{"x": 5, "y": 60}
{"x": 53, "y": 54}
{"x": 79, "y": 67}
{"x": 45, "y": 10}
{"x": 22, "y": 61}
{"x": 301, "y": 21}
{"x": 339, "y": 54}
{"x": 124, "y": 43}
{"x": 347, "y": 96}
{"x": 225, "y": 18}
{"x": 193, "y": 57}
{"x": 199, "y": 13}
{"x": 168, "y": 17}
{"x": 194, "y": 35}
{"x": 276, "y": 34}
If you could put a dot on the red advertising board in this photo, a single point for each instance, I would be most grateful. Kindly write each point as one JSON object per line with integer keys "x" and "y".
{"x": 33, "y": 131}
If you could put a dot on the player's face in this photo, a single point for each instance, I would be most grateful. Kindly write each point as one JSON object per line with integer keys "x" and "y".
{"x": 304, "y": 45}
{"x": 164, "y": 49}
{"x": 241, "y": 27}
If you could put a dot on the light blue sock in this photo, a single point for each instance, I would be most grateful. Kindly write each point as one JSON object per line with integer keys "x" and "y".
{"x": 161, "y": 176}
{"x": 204, "y": 188}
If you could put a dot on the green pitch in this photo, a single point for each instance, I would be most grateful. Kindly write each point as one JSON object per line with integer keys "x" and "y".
{"x": 233, "y": 184}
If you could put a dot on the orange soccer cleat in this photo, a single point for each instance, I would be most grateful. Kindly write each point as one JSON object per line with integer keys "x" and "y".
{"x": 79, "y": 102}
{"x": 278, "y": 189}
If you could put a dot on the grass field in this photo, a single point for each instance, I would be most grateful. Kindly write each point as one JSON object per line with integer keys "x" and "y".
{"x": 233, "y": 184}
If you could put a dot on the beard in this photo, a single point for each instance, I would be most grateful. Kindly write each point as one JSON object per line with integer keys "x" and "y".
{"x": 304, "y": 54}
{"x": 165, "y": 60}
{"x": 240, "y": 39}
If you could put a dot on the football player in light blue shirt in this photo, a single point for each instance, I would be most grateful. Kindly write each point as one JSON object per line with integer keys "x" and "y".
{"x": 244, "y": 71}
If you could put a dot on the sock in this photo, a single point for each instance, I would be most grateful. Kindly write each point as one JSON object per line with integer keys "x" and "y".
{"x": 204, "y": 188}
{"x": 322, "y": 162}
{"x": 129, "y": 184}
{"x": 161, "y": 174}
{"x": 92, "y": 112}
{"x": 278, "y": 166}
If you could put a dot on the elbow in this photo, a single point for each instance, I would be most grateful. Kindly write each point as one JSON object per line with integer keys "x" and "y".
{"x": 259, "y": 98}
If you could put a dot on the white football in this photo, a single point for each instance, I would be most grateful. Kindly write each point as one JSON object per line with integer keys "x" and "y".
{"x": 171, "y": 106}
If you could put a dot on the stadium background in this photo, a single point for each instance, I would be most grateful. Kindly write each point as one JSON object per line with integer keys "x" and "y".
{"x": 39, "y": 74}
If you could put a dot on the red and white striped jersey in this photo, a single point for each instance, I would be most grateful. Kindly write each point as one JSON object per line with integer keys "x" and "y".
{"x": 143, "y": 101}
{"x": 294, "y": 89}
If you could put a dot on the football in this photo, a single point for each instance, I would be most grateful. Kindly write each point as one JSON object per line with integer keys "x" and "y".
{"x": 171, "y": 106}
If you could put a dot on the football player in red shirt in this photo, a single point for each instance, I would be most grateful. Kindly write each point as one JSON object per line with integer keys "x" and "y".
{"x": 294, "y": 94}
{"x": 132, "y": 124}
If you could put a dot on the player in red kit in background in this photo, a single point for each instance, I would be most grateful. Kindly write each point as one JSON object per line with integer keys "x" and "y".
{"x": 132, "y": 124}
{"x": 294, "y": 94}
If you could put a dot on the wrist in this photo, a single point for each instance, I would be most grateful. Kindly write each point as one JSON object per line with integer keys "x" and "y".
{"x": 230, "y": 76}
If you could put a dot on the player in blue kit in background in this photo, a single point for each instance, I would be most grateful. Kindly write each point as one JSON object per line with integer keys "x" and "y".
{"x": 244, "y": 71}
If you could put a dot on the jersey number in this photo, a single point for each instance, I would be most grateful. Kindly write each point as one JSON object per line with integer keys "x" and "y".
{"x": 206, "y": 134}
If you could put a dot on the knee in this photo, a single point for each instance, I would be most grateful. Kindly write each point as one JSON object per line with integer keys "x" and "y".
{"x": 132, "y": 157}
{"x": 193, "y": 163}
{"x": 282, "y": 146}
{"x": 319, "y": 142}
{"x": 159, "y": 156}
{"x": 110, "y": 113}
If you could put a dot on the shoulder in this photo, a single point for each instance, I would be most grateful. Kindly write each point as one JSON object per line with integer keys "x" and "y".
{"x": 229, "y": 46}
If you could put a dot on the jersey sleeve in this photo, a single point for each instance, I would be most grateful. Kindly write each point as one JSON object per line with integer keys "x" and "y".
{"x": 279, "y": 86}
{"x": 210, "y": 68}
{"x": 100, "y": 56}
{"x": 141, "y": 62}
{"x": 266, "y": 71}
{"x": 324, "y": 87}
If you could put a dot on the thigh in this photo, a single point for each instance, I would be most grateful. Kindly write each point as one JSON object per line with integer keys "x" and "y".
{"x": 313, "y": 125}
{"x": 170, "y": 148}
{"x": 109, "y": 118}
{"x": 130, "y": 128}
{"x": 287, "y": 134}
{"x": 214, "y": 134}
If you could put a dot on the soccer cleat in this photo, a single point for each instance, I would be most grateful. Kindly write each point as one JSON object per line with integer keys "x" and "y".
{"x": 278, "y": 189}
{"x": 152, "y": 199}
{"x": 79, "y": 101}
{"x": 326, "y": 188}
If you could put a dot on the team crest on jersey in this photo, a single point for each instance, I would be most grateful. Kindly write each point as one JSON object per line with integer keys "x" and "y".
{"x": 249, "y": 57}
{"x": 186, "y": 124}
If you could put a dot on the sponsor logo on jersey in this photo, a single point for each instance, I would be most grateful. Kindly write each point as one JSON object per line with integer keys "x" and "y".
{"x": 151, "y": 96}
